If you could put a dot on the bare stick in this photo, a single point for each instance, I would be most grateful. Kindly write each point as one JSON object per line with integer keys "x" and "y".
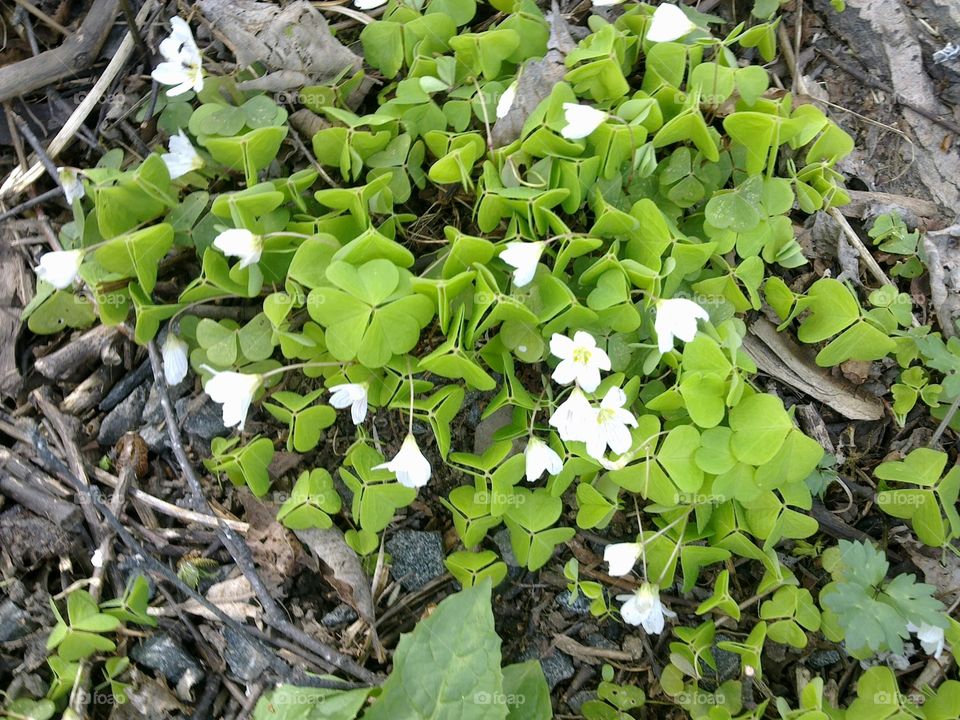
{"x": 235, "y": 545}
{"x": 18, "y": 180}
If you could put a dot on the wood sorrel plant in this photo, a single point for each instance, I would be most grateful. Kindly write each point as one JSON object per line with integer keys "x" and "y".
{"x": 594, "y": 283}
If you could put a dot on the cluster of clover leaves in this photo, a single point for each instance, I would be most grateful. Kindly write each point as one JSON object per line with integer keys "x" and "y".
{"x": 652, "y": 172}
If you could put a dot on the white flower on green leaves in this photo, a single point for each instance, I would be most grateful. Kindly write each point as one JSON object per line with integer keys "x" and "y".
{"x": 174, "y": 352}
{"x": 409, "y": 465}
{"x": 60, "y": 268}
{"x": 241, "y": 243}
{"x": 644, "y": 608}
{"x": 581, "y": 120}
{"x": 506, "y": 100}
{"x": 70, "y": 182}
{"x": 574, "y": 417}
{"x": 610, "y": 425}
{"x": 523, "y": 257}
{"x": 368, "y": 4}
{"x": 669, "y": 23}
{"x": 234, "y": 391}
{"x": 539, "y": 457}
{"x": 182, "y": 66}
{"x": 182, "y": 158}
{"x": 931, "y": 638}
{"x": 621, "y": 557}
{"x": 677, "y": 318}
{"x": 352, "y": 395}
{"x": 580, "y": 360}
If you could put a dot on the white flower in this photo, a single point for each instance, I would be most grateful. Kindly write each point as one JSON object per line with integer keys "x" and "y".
{"x": 610, "y": 425}
{"x": 621, "y": 557}
{"x": 606, "y": 3}
{"x": 410, "y": 466}
{"x": 174, "y": 352}
{"x": 677, "y": 318}
{"x": 523, "y": 257}
{"x": 580, "y": 360}
{"x": 581, "y": 120}
{"x": 182, "y": 158}
{"x": 643, "y": 607}
{"x": 70, "y": 181}
{"x": 241, "y": 243}
{"x": 97, "y": 558}
{"x": 574, "y": 417}
{"x": 669, "y": 23}
{"x": 182, "y": 66}
{"x": 506, "y": 100}
{"x": 369, "y": 4}
{"x": 540, "y": 457}
{"x": 60, "y": 268}
{"x": 930, "y": 637}
{"x": 352, "y": 394}
{"x": 234, "y": 391}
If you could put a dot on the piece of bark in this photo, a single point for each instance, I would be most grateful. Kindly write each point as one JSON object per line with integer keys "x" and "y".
{"x": 60, "y": 512}
{"x": 914, "y": 211}
{"x": 77, "y": 52}
{"x": 943, "y": 261}
{"x": 15, "y": 291}
{"x": 77, "y": 355}
{"x": 295, "y": 38}
{"x": 536, "y": 81}
{"x": 778, "y": 356}
{"x": 340, "y": 566}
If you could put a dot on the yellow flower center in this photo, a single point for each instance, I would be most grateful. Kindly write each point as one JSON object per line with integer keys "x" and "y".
{"x": 582, "y": 355}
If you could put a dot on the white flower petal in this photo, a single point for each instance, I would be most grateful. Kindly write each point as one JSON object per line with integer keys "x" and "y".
{"x": 353, "y": 395}
{"x": 506, "y": 100}
{"x": 581, "y": 120}
{"x": 523, "y": 256}
{"x": 621, "y": 557}
{"x": 539, "y": 457}
{"x": 60, "y": 268}
{"x": 182, "y": 158}
{"x": 580, "y": 360}
{"x": 174, "y": 351}
{"x": 644, "y": 608}
{"x": 183, "y": 64}
{"x": 234, "y": 391}
{"x": 409, "y": 465}
{"x": 574, "y": 418}
{"x": 677, "y": 318}
{"x": 241, "y": 243}
{"x": 72, "y": 185}
{"x": 368, "y": 4}
{"x": 669, "y": 23}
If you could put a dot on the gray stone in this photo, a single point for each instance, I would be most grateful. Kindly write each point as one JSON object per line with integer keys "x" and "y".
{"x": 483, "y": 435}
{"x": 502, "y": 540}
{"x": 246, "y": 660}
{"x": 823, "y": 658}
{"x": 580, "y": 606}
{"x": 556, "y": 668}
{"x": 728, "y": 664}
{"x": 14, "y": 621}
{"x": 162, "y": 653}
{"x": 340, "y": 615}
{"x": 205, "y": 421}
{"x": 575, "y": 702}
{"x": 417, "y": 557}
{"x": 123, "y": 418}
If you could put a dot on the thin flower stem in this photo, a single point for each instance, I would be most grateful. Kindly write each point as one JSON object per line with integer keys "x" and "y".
{"x": 410, "y": 375}
{"x": 299, "y": 366}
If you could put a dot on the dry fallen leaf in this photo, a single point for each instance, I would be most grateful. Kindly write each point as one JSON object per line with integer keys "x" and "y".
{"x": 340, "y": 566}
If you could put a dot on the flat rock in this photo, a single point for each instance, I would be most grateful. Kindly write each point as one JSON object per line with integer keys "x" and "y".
{"x": 245, "y": 659}
{"x": 339, "y": 616}
{"x": 14, "y": 621}
{"x": 161, "y": 653}
{"x": 417, "y": 557}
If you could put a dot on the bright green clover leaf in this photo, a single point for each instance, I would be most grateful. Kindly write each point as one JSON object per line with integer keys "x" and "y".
{"x": 312, "y": 501}
{"x": 372, "y": 314}
{"x": 305, "y": 419}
